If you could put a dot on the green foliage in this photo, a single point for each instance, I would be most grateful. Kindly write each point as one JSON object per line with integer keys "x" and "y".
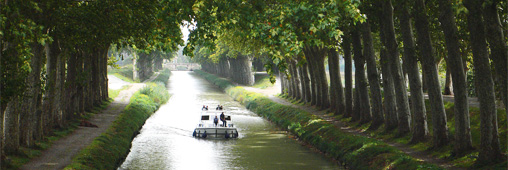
{"x": 109, "y": 149}
{"x": 357, "y": 152}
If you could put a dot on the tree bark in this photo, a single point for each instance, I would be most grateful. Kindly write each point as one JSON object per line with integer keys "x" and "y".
{"x": 497, "y": 44}
{"x": 11, "y": 126}
{"x": 28, "y": 107}
{"x": 332, "y": 67}
{"x": 420, "y": 131}
{"x": 313, "y": 77}
{"x": 296, "y": 80}
{"x": 463, "y": 142}
{"x": 448, "y": 82}
{"x": 348, "y": 71}
{"x": 291, "y": 83}
{"x": 335, "y": 82}
{"x": 242, "y": 67}
{"x": 323, "y": 81}
{"x": 403, "y": 110}
{"x": 306, "y": 80}
{"x": 105, "y": 94}
{"x": 71, "y": 88}
{"x": 360, "y": 79}
{"x": 390, "y": 108}
{"x": 489, "y": 146}
{"x": 373, "y": 76}
{"x": 440, "y": 134}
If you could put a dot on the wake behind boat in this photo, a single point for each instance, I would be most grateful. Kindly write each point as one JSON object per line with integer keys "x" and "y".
{"x": 215, "y": 124}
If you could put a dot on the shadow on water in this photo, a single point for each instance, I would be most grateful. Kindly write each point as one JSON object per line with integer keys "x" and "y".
{"x": 166, "y": 142}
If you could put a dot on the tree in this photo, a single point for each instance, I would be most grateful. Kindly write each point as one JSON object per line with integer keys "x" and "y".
{"x": 403, "y": 111}
{"x": 420, "y": 131}
{"x": 463, "y": 141}
{"x": 440, "y": 133}
{"x": 360, "y": 79}
{"x": 373, "y": 76}
{"x": 490, "y": 149}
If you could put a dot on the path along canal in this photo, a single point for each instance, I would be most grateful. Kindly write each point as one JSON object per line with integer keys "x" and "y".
{"x": 166, "y": 142}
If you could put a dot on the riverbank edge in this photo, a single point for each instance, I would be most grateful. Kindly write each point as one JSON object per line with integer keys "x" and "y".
{"x": 110, "y": 149}
{"x": 354, "y": 152}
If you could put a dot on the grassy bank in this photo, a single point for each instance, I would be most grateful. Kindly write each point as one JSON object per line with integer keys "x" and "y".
{"x": 109, "y": 149}
{"x": 163, "y": 76}
{"x": 446, "y": 152}
{"x": 356, "y": 152}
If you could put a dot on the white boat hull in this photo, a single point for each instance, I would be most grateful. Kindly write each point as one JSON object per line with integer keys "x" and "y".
{"x": 215, "y": 132}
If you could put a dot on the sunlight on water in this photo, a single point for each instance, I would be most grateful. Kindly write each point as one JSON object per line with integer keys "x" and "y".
{"x": 166, "y": 142}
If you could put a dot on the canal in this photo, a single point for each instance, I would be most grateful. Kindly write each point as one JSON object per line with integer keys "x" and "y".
{"x": 166, "y": 142}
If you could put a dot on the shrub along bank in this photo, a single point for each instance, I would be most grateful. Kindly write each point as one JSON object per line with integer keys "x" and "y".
{"x": 109, "y": 149}
{"x": 355, "y": 152}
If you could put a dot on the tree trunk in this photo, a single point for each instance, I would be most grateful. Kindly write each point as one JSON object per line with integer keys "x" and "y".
{"x": 296, "y": 80}
{"x": 448, "y": 82}
{"x": 390, "y": 108}
{"x": 489, "y": 148}
{"x": 497, "y": 44}
{"x": 11, "y": 126}
{"x": 71, "y": 84}
{"x": 335, "y": 82}
{"x": 403, "y": 110}
{"x": 135, "y": 57}
{"x": 306, "y": 80}
{"x": 332, "y": 67}
{"x": 313, "y": 77}
{"x": 291, "y": 83}
{"x": 283, "y": 89}
{"x": 463, "y": 142}
{"x": 373, "y": 76}
{"x": 420, "y": 131}
{"x": 320, "y": 54}
{"x": 104, "y": 69}
{"x": 440, "y": 134}
{"x": 360, "y": 79}
{"x": 242, "y": 67}
{"x": 346, "y": 45}
{"x": 28, "y": 107}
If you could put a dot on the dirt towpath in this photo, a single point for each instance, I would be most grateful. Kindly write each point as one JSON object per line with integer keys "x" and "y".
{"x": 61, "y": 152}
{"x": 271, "y": 93}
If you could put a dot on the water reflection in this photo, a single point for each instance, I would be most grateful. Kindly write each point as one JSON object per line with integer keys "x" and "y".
{"x": 166, "y": 142}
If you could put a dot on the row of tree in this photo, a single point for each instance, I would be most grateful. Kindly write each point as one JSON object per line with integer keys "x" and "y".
{"x": 299, "y": 36}
{"x": 54, "y": 58}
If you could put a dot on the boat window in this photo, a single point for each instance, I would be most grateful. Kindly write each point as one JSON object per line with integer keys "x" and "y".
{"x": 205, "y": 117}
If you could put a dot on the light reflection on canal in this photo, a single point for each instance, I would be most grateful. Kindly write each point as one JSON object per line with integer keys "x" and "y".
{"x": 166, "y": 142}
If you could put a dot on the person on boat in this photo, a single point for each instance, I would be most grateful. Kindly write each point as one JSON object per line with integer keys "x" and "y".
{"x": 220, "y": 108}
{"x": 204, "y": 107}
{"x": 223, "y": 119}
{"x": 215, "y": 121}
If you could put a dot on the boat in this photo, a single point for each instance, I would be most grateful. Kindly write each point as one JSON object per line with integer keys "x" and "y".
{"x": 206, "y": 127}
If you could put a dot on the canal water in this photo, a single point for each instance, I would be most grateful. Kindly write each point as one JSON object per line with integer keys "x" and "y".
{"x": 166, "y": 142}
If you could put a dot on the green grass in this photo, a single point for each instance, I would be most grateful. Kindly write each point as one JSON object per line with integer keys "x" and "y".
{"x": 109, "y": 149}
{"x": 24, "y": 154}
{"x": 356, "y": 152}
{"x": 262, "y": 81}
{"x": 163, "y": 77}
{"x": 125, "y": 71}
{"x": 114, "y": 93}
